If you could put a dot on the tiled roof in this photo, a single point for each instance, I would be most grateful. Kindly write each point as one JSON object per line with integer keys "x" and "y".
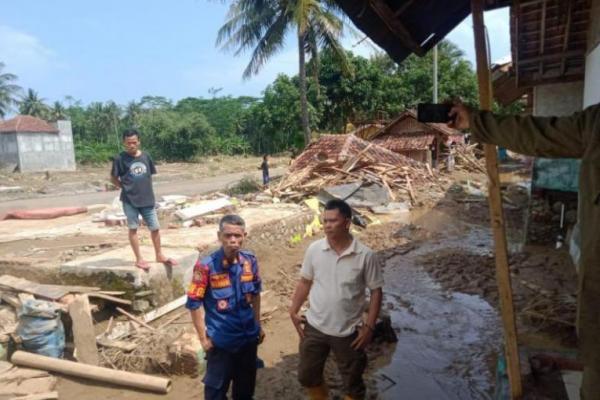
{"x": 26, "y": 123}
{"x": 405, "y": 142}
{"x": 340, "y": 148}
{"x": 426, "y": 126}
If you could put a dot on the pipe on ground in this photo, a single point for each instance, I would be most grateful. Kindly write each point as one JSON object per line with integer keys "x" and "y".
{"x": 71, "y": 368}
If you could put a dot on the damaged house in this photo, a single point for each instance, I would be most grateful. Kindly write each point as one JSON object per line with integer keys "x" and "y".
{"x": 29, "y": 144}
{"x": 417, "y": 140}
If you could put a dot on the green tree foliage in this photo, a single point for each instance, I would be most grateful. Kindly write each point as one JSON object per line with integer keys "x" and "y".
{"x": 8, "y": 91}
{"x": 271, "y": 126}
{"x": 222, "y": 113}
{"x": 262, "y": 25}
{"x": 377, "y": 90}
{"x": 32, "y": 104}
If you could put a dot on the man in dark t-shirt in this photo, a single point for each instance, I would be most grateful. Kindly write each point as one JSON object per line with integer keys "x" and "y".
{"x": 265, "y": 170}
{"x": 132, "y": 172}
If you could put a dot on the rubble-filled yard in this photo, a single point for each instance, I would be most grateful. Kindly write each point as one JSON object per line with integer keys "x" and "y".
{"x": 439, "y": 334}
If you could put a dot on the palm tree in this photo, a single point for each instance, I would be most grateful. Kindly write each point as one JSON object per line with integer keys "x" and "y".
{"x": 133, "y": 110}
{"x": 262, "y": 25}
{"x": 8, "y": 91}
{"x": 32, "y": 104}
{"x": 58, "y": 111}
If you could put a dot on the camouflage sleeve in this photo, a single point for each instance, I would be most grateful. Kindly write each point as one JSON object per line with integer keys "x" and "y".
{"x": 198, "y": 286}
{"x": 537, "y": 136}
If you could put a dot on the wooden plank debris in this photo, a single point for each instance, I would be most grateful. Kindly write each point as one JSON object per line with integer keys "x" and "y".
{"x": 51, "y": 292}
{"x": 110, "y": 298}
{"x": 167, "y": 308}
{"x": 117, "y": 344}
{"x": 83, "y": 330}
{"x": 134, "y": 319}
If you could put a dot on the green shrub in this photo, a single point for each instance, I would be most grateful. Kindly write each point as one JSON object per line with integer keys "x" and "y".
{"x": 94, "y": 153}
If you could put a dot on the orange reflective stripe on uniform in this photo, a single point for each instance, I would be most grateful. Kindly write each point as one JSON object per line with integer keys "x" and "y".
{"x": 247, "y": 274}
{"x": 219, "y": 281}
{"x": 197, "y": 287}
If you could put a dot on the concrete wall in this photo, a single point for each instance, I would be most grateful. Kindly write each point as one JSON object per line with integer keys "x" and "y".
{"x": 592, "y": 78}
{"x": 47, "y": 151}
{"x": 558, "y": 99}
{"x": 9, "y": 154}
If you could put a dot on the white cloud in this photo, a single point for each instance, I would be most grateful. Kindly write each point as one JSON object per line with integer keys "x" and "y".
{"x": 25, "y": 54}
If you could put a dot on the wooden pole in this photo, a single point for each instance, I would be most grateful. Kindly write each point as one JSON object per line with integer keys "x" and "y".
{"x": 496, "y": 215}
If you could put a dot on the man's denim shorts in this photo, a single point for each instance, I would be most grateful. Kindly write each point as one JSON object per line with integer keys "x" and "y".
{"x": 147, "y": 213}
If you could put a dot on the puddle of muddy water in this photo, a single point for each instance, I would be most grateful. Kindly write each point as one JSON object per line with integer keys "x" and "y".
{"x": 446, "y": 342}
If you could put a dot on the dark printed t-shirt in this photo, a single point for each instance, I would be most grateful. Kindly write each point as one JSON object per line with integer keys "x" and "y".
{"x": 265, "y": 167}
{"x": 135, "y": 174}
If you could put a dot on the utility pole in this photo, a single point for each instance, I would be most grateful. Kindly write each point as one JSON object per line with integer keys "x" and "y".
{"x": 435, "y": 74}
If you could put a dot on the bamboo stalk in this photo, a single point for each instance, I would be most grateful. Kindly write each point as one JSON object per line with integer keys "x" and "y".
{"x": 496, "y": 216}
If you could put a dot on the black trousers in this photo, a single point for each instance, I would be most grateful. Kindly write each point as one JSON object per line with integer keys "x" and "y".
{"x": 223, "y": 367}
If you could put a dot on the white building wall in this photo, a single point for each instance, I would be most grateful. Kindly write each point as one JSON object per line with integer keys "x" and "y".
{"x": 47, "y": 151}
{"x": 592, "y": 60}
{"x": 558, "y": 99}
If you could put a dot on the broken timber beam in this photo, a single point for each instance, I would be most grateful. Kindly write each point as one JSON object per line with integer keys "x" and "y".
{"x": 83, "y": 330}
{"x": 496, "y": 216}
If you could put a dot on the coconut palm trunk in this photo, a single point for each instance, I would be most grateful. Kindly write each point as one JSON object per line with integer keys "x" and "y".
{"x": 303, "y": 97}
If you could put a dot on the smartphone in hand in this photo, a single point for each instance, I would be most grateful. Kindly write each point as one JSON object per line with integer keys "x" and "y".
{"x": 429, "y": 112}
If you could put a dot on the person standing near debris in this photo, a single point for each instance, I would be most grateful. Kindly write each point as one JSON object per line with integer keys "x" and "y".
{"x": 335, "y": 274}
{"x": 227, "y": 285}
{"x": 265, "y": 170}
{"x": 576, "y": 136}
{"x": 132, "y": 172}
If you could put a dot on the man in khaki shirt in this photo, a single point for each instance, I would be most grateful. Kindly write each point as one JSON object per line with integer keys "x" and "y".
{"x": 575, "y": 136}
{"x": 335, "y": 274}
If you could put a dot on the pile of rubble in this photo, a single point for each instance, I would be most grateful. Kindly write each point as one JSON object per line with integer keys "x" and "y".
{"x": 470, "y": 158}
{"x": 86, "y": 332}
{"x": 339, "y": 159}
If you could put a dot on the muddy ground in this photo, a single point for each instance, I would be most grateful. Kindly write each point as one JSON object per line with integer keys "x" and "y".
{"x": 440, "y": 293}
{"x": 94, "y": 178}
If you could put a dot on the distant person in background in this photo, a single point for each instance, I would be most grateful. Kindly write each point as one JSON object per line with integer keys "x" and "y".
{"x": 132, "y": 172}
{"x": 265, "y": 170}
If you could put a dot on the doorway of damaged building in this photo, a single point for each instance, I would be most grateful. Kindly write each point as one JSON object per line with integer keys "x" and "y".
{"x": 555, "y": 55}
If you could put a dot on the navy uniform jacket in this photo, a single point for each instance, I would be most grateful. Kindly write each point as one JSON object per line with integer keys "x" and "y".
{"x": 226, "y": 292}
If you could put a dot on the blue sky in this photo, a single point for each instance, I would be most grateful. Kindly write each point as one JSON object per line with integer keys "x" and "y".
{"x": 123, "y": 50}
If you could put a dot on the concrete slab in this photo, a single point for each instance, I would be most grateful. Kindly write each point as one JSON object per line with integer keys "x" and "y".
{"x": 15, "y": 229}
{"x": 115, "y": 270}
{"x": 206, "y": 236}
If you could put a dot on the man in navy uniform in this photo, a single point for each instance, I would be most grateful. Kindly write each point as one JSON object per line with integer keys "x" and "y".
{"x": 227, "y": 285}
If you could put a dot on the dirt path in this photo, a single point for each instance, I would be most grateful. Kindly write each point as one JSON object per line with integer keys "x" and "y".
{"x": 186, "y": 187}
{"x": 446, "y": 340}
